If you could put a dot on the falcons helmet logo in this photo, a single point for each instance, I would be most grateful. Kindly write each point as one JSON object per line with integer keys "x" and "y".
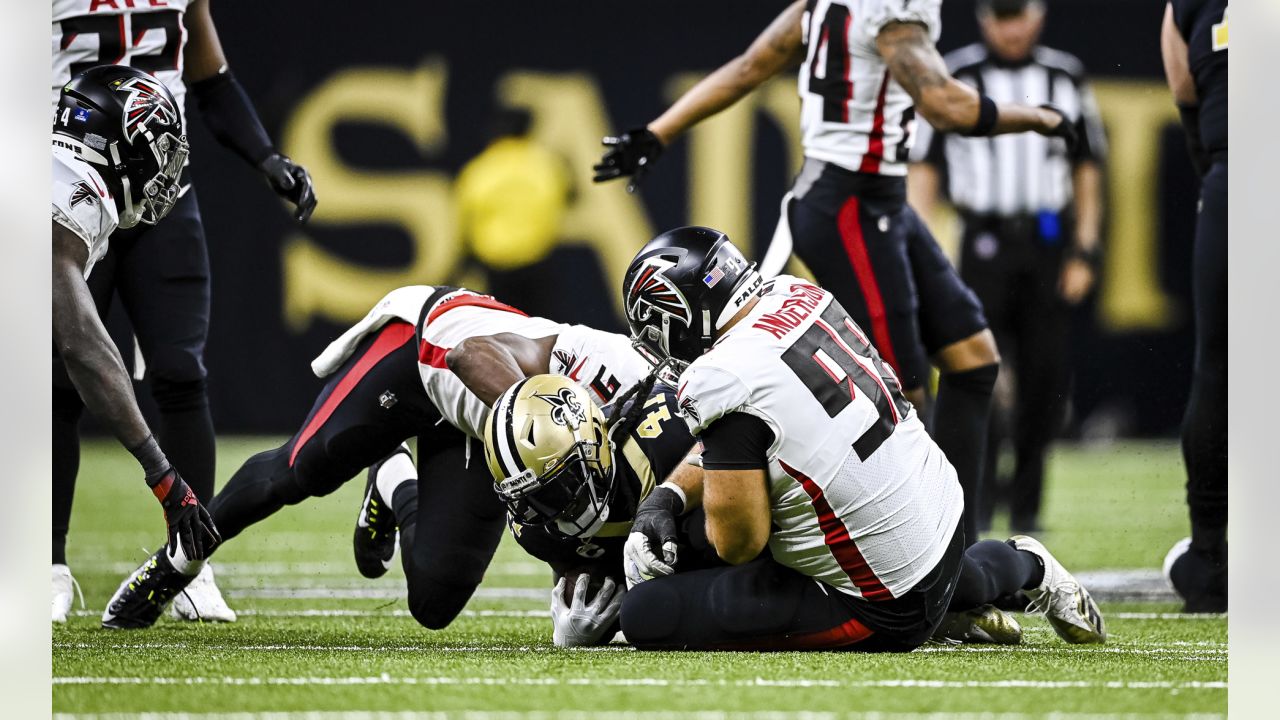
{"x": 651, "y": 291}
{"x": 145, "y": 102}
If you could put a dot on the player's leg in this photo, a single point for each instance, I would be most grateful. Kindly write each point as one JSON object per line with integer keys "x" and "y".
{"x": 451, "y": 522}
{"x": 857, "y": 252}
{"x": 67, "y": 411}
{"x": 1200, "y": 574}
{"x": 763, "y": 605}
{"x": 163, "y": 280}
{"x": 954, "y": 331}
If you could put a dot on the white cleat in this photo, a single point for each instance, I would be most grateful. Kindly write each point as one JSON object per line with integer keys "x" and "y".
{"x": 1063, "y": 600}
{"x": 63, "y": 584}
{"x": 202, "y": 600}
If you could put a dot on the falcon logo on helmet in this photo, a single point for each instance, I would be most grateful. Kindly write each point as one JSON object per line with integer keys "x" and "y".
{"x": 652, "y": 290}
{"x": 145, "y": 102}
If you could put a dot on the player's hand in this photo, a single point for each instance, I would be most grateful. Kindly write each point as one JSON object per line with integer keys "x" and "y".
{"x": 583, "y": 623}
{"x": 291, "y": 182}
{"x": 1076, "y": 280}
{"x": 650, "y": 550}
{"x": 630, "y": 153}
{"x": 1065, "y": 128}
{"x": 190, "y": 524}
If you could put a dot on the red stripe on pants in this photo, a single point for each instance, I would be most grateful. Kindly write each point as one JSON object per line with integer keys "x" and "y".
{"x": 842, "y": 547}
{"x": 850, "y": 632}
{"x": 390, "y": 338}
{"x": 856, "y": 248}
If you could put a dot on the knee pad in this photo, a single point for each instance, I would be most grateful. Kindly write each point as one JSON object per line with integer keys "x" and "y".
{"x": 978, "y": 380}
{"x": 651, "y": 612}
{"x": 175, "y": 366}
{"x": 177, "y": 395}
{"x": 436, "y": 604}
{"x": 67, "y": 405}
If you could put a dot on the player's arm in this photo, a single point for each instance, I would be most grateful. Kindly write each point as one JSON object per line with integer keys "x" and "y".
{"x": 1177, "y": 71}
{"x": 1079, "y": 270}
{"x": 98, "y": 373}
{"x": 490, "y": 364}
{"x": 948, "y": 104}
{"x": 735, "y": 496}
{"x": 228, "y": 112}
{"x": 776, "y": 49}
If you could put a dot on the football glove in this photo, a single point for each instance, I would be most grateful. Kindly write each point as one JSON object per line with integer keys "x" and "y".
{"x": 291, "y": 182}
{"x": 630, "y": 153}
{"x": 1065, "y": 129}
{"x": 188, "y": 521}
{"x": 650, "y": 550}
{"x": 583, "y": 623}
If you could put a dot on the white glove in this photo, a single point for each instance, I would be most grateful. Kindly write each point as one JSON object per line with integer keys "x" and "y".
{"x": 582, "y": 623}
{"x": 639, "y": 563}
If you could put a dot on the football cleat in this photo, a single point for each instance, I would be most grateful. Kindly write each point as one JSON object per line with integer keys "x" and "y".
{"x": 1198, "y": 577}
{"x": 1065, "y": 603}
{"x": 202, "y": 600}
{"x": 63, "y": 584}
{"x": 142, "y": 597}
{"x": 375, "y": 537}
{"x": 981, "y": 625}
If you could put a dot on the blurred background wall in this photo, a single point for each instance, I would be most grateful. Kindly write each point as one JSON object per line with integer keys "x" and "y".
{"x": 385, "y": 103}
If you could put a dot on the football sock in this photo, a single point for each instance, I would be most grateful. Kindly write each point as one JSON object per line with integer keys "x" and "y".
{"x": 960, "y": 429}
{"x": 395, "y": 471}
{"x": 186, "y": 432}
{"x": 66, "y": 465}
{"x": 1204, "y": 449}
{"x": 991, "y": 569}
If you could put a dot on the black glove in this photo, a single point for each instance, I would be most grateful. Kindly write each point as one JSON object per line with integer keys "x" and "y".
{"x": 1065, "y": 129}
{"x": 629, "y": 154}
{"x": 650, "y": 550}
{"x": 291, "y": 182}
{"x": 188, "y": 521}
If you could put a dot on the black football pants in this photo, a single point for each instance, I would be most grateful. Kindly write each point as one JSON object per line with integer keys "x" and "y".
{"x": 365, "y": 411}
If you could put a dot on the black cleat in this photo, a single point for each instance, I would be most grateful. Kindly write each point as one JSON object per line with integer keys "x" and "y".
{"x": 144, "y": 595}
{"x": 375, "y": 537}
{"x": 1199, "y": 578}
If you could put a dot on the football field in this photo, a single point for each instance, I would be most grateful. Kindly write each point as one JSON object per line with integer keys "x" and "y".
{"x": 315, "y": 640}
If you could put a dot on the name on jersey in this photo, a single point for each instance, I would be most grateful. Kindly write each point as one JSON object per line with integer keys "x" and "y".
{"x": 804, "y": 299}
{"x": 96, "y": 5}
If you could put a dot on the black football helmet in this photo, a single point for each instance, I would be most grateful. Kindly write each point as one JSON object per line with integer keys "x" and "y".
{"x": 681, "y": 289}
{"x": 126, "y": 124}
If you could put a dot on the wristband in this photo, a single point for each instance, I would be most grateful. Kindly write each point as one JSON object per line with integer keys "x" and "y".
{"x": 151, "y": 457}
{"x": 988, "y": 114}
{"x": 230, "y": 116}
{"x": 684, "y": 500}
{"x": 1092, "y": 256}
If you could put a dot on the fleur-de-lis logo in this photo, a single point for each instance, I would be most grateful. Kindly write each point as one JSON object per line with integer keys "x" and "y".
{"x": 566, "y": 409}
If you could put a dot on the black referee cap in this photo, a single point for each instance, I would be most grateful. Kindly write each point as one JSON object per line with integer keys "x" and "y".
{"x": 1006, "y": 8}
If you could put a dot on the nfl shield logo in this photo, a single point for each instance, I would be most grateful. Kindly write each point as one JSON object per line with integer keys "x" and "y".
{"x": 82, "y": 114}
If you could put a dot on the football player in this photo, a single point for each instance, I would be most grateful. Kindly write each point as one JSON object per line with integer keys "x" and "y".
{"x": 161, "y": 270}
{"x": 865, "y": 68}
{"x": 811, "y": 450}
{"x": 118, "y": 149}
{"x": 425, "y": 362}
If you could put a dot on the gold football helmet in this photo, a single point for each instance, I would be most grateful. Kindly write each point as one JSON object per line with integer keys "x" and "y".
{"x": 548, "y": 448}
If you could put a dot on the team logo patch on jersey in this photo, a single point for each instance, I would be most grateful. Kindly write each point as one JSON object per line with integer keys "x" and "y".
{"x": 562, "y": 361}
{"x": 81, "y": 193}
{"x": 565, "y": 408}
{"x": 145, "y": 103}
{"x": 651, "y": 291}
{"x": 689, "y": 409}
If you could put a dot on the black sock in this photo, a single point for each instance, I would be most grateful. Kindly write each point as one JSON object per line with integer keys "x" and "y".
{"x": 1204, "y": 449}
{"x": 960, "y": 429}
{"x": 186, "y": 432}
{"x": 991, "y": 569}
{"x": 404, "y": 505}
{"x": 67, "y": 409}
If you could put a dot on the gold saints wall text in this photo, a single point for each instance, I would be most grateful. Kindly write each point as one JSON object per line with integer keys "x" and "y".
{"x": 569, "y": 117}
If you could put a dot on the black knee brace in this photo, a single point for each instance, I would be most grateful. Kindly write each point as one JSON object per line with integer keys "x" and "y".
{"x": 179, "y": 395}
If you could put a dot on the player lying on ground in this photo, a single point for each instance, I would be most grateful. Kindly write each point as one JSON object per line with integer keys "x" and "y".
{"x": 810, "y": 451}
{"x": 426, "y": 362}
{"x": 118, "y": 147}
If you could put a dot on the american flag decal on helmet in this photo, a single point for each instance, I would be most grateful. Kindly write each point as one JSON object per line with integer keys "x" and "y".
{"x": 651, "y": 290}
{"x": 146, "y": 102}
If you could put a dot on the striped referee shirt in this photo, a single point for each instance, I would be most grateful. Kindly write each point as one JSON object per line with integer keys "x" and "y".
{"x": 1016, "y": 174}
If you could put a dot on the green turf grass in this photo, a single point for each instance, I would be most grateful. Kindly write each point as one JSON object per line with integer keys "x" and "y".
{"x": 314, "y": 636}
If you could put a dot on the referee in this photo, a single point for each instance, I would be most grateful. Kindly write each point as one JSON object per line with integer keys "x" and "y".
{"x": 1031, "y": 214}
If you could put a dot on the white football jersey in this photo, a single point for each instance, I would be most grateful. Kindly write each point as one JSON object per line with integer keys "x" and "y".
{"x": 146, "y": 34}
{"x": 82, "y": 203}
{"x": 861, "y": 497}
{"x": 853, "y": 113}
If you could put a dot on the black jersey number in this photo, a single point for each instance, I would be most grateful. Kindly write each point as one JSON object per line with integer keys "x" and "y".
{"x": 831, "y": 31}
{"x": 112, "y": 40}
{"x": 823, "y": 358}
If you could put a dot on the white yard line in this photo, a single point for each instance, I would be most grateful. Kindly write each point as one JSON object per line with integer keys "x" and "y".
{"x": 618, "y": 715}
{"x": 386, "y": 679}
{"x": 340, "y": 612}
